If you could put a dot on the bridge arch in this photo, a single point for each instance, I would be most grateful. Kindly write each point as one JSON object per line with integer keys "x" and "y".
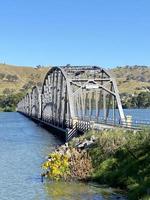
{"x": 94, "y": 94}
{"x": 36, "y": 102}
{"x": 28, "y": 104}
{"x": 56, "y": 102}
{"x": 81, "y": 93}
{"x": 71, "y": 94}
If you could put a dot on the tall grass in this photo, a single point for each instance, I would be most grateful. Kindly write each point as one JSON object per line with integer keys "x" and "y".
{"x": 122, "y": 159}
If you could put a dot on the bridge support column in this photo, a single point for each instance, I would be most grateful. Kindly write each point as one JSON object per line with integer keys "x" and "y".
{"x": 74, "y": 121}
{"x": 129, "y": 120}
{"x": 92, "y": 124}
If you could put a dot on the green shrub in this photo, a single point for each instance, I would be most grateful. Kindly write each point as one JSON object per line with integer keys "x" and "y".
{"x": 122, "y": 159}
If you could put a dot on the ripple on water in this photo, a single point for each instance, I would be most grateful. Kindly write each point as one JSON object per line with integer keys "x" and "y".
{"x": 23, "y": 147}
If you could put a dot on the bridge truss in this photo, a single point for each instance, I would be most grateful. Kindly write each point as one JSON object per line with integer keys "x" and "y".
{"x": 73, "y": 94}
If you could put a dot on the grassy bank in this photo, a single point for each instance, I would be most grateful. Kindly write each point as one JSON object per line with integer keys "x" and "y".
{"x": 122, "y": 159}
{"x": 117, "y": 158}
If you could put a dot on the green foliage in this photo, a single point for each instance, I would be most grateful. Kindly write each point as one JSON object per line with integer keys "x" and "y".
{"x": 141, "y": 100}
{"x": 125, "y": 162}
{"x": 119, "y": 158}
{"x": 8, "y": 102}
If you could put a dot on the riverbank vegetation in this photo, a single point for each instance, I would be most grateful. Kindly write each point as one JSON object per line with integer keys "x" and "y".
{"x": 8, "y": 102}
{"x": 118, "y": 158}
{"x": 121, "y": 159}
{"x": 68, "y": 163}
{"x": 141, "y": 100}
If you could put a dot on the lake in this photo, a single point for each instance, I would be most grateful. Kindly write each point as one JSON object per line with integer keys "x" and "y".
{"x": 140, "y": 114}
{"x": 23, "y": 147}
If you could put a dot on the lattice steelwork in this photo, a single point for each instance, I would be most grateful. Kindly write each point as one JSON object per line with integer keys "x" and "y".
{"x": 56, "y": 99}
{"x": 94, "y": 94}
{"x": 75, "y": 94}
{"x": 28, "y": 104}
{"x": 36, "y": 102}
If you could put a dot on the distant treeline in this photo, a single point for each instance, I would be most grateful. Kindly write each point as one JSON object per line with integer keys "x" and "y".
{"x": 8, "y": 102}
{"x": 141, "y": 100}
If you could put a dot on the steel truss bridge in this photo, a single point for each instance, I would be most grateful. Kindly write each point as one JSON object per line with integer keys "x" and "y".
{"x": 74, "y": 98}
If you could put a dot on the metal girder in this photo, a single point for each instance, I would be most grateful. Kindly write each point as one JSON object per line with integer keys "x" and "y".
{"x": 36, "y": 102}
{"x": 78, "y": 92}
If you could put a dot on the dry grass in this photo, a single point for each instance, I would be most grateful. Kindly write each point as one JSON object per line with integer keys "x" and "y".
{"x": 123, "y": 76}
{"x": 24, "y": 74}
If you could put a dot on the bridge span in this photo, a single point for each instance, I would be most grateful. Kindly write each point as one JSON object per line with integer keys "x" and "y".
{"x": 73, "y": 99}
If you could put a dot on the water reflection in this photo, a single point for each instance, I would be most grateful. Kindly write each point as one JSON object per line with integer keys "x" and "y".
{"x": 79, "y": 191}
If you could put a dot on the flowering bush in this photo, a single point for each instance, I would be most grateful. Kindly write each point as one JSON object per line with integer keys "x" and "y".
{"x": 57, "y": 166}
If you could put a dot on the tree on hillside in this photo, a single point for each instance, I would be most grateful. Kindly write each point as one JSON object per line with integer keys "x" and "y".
{"x": 143, "y": 100}
{"x": 2, "y": 75}
{"x": 7, "y": 91}
{"x": 12, "y": 78}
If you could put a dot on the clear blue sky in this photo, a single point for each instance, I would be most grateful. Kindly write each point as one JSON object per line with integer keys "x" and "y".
{"x": 57, "y": 32}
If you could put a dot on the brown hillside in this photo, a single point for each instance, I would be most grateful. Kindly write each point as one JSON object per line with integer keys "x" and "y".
{"x": 20, "y": 78}
{"x": 130, "y": 79}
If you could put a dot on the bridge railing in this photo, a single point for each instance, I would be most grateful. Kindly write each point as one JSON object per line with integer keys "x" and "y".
{"x": 132, "y": 123}
{"x": 137, "y": 123}
{"x": 79, "y": 127}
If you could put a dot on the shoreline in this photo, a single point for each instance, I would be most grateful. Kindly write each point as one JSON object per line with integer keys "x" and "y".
{"x": 109, "y": 157}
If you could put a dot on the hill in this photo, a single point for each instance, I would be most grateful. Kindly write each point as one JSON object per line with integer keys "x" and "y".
{"x": 13, "y": 79}
{"x": 132, "y": 79}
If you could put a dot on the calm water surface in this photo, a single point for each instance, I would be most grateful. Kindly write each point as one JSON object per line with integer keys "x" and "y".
{"x": 139, "y": 114}
{"x": 23, "y": 147}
